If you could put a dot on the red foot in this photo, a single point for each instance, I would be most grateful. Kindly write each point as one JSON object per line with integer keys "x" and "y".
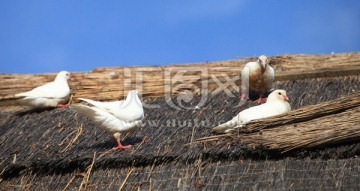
{"x": 260, "y": 100}
{"x": 243, "y": 96}
{"x": 62, "y": 105}
{"x": 120, "y": 146}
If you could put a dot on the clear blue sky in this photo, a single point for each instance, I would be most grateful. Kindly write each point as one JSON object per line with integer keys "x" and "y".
{"x": 78, "y": 35}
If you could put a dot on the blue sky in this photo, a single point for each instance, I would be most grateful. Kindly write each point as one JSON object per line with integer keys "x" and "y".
{"x": 79, "y": 35}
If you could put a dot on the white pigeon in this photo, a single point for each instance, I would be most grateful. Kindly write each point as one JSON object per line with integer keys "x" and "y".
{"x": 257, "y": 76}
{"x": 276, "y": 104}
{"x": 115, "y": 117}
{"x": 52, "y": 94}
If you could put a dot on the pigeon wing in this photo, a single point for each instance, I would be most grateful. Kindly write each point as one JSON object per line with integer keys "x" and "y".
{"x": 49, "y": 90}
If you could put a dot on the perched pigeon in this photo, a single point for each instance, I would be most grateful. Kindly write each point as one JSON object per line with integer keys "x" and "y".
{"x": 52, "y": 94}
{"x": 257, "y": 76}
{"x": 276, "y": 104}
{"x": 115, "y": 117}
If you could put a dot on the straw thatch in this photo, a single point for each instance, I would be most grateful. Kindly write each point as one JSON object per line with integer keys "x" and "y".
{"x": 113, "y": 83}
{"x": 60, "y": 149}
{"x": 333, "y": 129}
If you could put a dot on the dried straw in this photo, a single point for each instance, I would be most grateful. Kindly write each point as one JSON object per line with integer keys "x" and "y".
{"x": 127, "y": 176}
{"x": 85, "y": 180}
{"x": 101, "y": 84}
{"x": 328, "y": 130}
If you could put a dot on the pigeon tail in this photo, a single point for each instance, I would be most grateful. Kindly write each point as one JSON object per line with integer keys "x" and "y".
{"x": 236, "y": 127}
{"x": 228, "y": 125}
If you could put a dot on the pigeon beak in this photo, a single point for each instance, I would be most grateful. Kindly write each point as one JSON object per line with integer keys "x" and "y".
{"x": 263, "y": 66}
{"x": 286, "y": 98}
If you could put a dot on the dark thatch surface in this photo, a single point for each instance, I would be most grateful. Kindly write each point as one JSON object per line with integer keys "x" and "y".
{"x": 43, "y": 150}
{"x": 235, "y": 175}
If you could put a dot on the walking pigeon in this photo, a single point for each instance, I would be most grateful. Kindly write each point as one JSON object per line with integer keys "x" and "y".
{"x": 115, "y": 117}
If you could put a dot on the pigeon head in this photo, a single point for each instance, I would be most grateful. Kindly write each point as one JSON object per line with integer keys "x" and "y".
{"x": 278, "y": 95}
{"x": 263, "y": 61}
{"x": 63, "y": 75}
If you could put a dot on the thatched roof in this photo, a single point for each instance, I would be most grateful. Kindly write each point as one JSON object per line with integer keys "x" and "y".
{"x": 61, "y": 149}
{"x": 112, "y": 83}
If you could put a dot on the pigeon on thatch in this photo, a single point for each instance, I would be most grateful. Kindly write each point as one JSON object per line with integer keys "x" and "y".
{"x": 52, "y": 94}
{"x": 115, "y": 117}
{"x": 276, "y": 104}
{"x": 257, "y": 76}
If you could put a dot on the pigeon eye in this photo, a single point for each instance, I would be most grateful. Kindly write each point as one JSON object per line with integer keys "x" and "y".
{"x": 279, "y": 93}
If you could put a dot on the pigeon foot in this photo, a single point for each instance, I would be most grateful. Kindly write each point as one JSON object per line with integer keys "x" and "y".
{"x": 243, "y": 96}
{"x": 259, "y": 100}
{"x": 62, "y": 105}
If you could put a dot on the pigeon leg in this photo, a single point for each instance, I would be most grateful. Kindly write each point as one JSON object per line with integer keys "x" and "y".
{"x": 118, "y": 143}
{"x": 62, "y": 105}
{"x": 243, "y": 96}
